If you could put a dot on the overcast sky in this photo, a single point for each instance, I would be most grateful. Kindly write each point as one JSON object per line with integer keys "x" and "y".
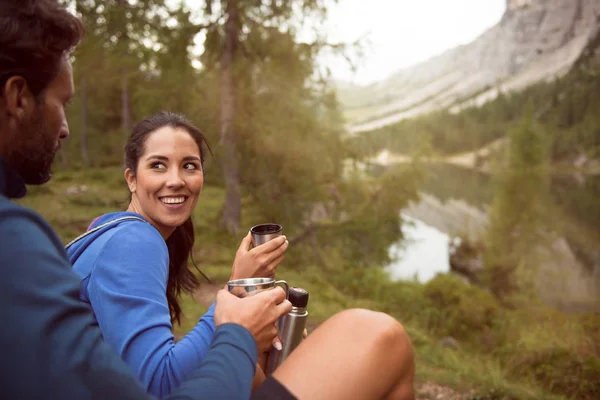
{"x": 400, "y": 33}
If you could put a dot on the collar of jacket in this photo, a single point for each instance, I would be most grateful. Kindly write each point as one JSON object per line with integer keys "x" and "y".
{"x": 11, "y": 183}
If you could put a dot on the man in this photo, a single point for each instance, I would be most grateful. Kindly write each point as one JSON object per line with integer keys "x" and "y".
{"x": 51, "y": 348}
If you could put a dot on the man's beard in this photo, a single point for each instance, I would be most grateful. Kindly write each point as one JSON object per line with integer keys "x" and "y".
{"x": 34, "y": 156}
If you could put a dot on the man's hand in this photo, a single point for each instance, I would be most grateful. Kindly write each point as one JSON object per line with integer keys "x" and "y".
{"x": 257, "y": 313}
{"x": 260, "y": 261}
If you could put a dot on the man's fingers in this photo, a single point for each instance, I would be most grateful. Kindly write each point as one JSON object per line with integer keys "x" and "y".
{"x": 272, "y": 296}
{"x": 223, "y": 292}
{"x": 283, "y": 308}
{"x": 225, "y": 295}
{"x": 278, "y": 294}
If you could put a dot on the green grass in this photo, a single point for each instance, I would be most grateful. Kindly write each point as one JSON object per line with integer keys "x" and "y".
{"x": 532, "y": 353}
{"x": 465, "y": 369}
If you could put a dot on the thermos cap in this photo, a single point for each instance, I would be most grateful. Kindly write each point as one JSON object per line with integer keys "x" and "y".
{"x": 298, "y": 297}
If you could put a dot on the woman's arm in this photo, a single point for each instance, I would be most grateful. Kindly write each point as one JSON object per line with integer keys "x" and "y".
{"x": 127, "y": 291}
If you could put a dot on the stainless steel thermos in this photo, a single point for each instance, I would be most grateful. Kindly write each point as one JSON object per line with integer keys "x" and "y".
{"x": 291, "y": 327}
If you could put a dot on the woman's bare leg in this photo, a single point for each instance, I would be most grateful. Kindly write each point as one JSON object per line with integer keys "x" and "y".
{"x": 356, "y": 354}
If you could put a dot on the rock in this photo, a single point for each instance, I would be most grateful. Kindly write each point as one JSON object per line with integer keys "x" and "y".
{"x": 580, "y": 161}
{"x": 454, "y": 244}
{"x": 579, "y": 178}
{"x": 466, "y": 279}
{"x": 466, "y": 259}
{"x": 594, "y": 165}
{"x": 434, "y": 391}
{"x": 562, "y": 281}
{"x": 470, "y": 266}
{"x": 513, "y": 5}
{"x": 75, "y": 190}
{"x": 448, "y": 342}
{"x": 451, "y": 216}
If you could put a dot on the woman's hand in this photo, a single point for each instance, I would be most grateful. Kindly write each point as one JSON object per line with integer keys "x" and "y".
{"x": 259, "y": 377}
{"x": 260, "y": 261}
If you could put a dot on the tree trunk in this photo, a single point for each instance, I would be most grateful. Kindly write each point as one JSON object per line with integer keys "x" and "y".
{"x": 232, "y": 208}
{"x": 125, "y": 109}
{"x": 83, "y": 138}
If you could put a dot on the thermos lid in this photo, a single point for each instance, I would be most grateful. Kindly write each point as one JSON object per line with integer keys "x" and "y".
{"x": 298, "y": 296}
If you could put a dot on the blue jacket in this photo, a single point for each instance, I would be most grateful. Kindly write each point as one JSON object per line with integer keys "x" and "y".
{"x": 51, "y": 345}
{"x": 124, "y": 269}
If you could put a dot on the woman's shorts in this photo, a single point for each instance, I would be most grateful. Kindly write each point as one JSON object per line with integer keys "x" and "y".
{"x": 271, "y": 389}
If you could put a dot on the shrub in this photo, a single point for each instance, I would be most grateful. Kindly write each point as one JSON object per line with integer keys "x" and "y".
{"x": 559, "y": 351}
{"x": 561, "y": 371}
{"x": 459, "y": 309}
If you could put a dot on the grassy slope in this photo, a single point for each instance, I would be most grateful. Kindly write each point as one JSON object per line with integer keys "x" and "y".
{"x": 465, "y": 369}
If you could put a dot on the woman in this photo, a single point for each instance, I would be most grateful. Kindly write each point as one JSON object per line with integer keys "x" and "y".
{"x": 133, "y": 266}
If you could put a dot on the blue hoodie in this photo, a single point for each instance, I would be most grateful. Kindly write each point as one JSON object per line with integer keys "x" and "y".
{"x": 124, "y": 269}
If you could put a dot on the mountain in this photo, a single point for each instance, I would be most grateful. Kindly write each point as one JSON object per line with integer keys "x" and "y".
{"x": 535, "y": 40}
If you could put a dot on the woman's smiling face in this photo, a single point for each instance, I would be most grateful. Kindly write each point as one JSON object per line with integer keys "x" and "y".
{"x": 169, "y": 177}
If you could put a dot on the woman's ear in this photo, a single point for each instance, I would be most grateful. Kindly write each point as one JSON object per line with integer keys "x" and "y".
{"x": 130, "y": 178}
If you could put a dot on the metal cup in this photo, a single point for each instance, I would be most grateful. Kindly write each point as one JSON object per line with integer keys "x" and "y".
{"x": 264, "y": 232}
{"x": 250, "y": 286}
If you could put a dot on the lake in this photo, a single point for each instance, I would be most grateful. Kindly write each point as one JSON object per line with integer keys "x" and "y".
{"x": 547, "y": 223}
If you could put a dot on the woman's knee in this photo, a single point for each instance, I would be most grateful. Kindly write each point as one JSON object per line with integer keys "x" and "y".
{"x": 383, "y": 329}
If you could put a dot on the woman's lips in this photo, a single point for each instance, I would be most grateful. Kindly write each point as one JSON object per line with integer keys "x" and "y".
{"x": 173, "y": 202}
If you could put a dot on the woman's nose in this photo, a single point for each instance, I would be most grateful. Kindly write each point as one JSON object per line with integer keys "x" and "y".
{"x": 175, "y": 179}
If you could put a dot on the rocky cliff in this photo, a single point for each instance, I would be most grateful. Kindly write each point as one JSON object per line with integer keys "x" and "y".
{"x": 535, "y": 40}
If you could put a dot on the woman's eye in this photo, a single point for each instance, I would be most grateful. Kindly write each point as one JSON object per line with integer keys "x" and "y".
{"x": 191, "y": 166}
{"x": 157, "y": 165}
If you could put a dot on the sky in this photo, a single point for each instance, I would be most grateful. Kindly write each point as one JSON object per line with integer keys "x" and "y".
{"x": 400, "y": 33}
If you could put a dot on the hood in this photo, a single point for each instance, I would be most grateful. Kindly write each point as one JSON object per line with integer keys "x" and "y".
{"x": 76, "y": 247}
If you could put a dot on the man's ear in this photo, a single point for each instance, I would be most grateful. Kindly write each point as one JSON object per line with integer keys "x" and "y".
{"x": 18, "y": 97}
{"x": 130, "y": 178}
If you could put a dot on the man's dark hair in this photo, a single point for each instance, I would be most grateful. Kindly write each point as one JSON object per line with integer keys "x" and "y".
{"x": 34, "y": 36}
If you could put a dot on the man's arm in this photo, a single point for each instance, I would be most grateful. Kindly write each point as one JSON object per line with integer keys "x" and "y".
{"x": 52, "y": 348}
{"x": 228, "y": 369}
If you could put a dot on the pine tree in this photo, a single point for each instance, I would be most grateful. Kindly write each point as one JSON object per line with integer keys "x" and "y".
{"x": 262, "y": 65}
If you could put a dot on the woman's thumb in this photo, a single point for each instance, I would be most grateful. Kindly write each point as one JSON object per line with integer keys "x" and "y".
{"x": 246, "y": 242}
